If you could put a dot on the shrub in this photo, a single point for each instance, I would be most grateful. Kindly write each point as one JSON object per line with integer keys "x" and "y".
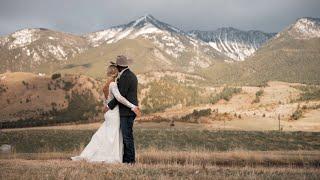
{"x": 68, "y": 85}
{"x": 55, "y": 76}
{"x": 25, "y": 84}
{"x": 226, "y": 94}
{"x": 258, "y": 95}
{"x": 196, "y": 114}
{"x": 309, "y": 92}
{"x": 3, "y": 88}
{"x": 296, "y": 114}
{"x": 67, "y": 96}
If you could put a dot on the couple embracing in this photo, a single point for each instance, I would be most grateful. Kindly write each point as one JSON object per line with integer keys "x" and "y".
{"x": 113, "y": 142}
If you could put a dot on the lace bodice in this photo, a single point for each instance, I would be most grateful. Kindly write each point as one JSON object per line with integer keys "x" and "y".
{"x": 114, "y": 93}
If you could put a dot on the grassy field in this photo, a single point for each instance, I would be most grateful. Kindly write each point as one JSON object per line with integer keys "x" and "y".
{"x": 57, "y": 169}
{"x": 166, "y": 153}
{"x": 34, "y": 141}
{"x": 154, "y": 164}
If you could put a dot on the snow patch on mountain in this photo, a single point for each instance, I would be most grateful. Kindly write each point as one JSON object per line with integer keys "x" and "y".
{"x": 170, "y": 44}
{"x": 97, "y": 38}
{"x": 148, "y": 29}
{"x": 306, "y": 28}
{"x": 57, "y": 51}
{"x": 36, "y": 57}
{"x": 52, "y": 38}
{"x": 23, "y": 38}
{"x": 232, "y": 42}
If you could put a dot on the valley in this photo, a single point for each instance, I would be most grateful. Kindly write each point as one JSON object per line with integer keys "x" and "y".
{"x": 165, "y": 97}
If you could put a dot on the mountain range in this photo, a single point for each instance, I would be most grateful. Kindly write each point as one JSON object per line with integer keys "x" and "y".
{"x": 223, "y": 55}
{"x": 174, "y": 68}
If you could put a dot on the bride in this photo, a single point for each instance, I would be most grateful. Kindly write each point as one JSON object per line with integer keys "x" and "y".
{"x": 106, "y": 144}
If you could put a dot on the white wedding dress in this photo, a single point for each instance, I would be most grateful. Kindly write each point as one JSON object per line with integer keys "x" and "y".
{"x": 106, "y": 144}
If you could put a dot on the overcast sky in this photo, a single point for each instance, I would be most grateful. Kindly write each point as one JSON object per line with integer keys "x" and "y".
{"x": 80, "y": 16}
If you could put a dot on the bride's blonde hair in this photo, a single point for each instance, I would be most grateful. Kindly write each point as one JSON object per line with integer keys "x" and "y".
{"x": 112, "y": 72}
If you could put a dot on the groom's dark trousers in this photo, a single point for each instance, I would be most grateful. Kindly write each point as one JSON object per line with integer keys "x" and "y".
{"x": 126, "y": 124}
{"x": 128, "y": 85}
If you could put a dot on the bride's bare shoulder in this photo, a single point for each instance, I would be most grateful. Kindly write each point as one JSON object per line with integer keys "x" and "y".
{"x": 108, "y": 85}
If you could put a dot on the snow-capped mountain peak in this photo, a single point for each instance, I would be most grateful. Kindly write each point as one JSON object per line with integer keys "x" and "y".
{"x": 306, "y": 28}
{"x": 168, "y": 41}
{"x": 150, "y": 20}
{"x": 144, "y": 25}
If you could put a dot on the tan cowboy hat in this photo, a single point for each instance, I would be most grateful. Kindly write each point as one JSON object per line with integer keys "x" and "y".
{"x": 122, "y": 61}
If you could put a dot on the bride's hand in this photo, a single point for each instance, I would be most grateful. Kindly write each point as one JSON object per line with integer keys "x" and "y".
{"x": 137, "y": 111}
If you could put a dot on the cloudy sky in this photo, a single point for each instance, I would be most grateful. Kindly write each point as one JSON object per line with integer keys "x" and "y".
{"x": 81, "y": 16}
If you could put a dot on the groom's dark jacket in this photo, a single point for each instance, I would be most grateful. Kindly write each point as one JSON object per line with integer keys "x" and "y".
{"x": 128, "y": 87}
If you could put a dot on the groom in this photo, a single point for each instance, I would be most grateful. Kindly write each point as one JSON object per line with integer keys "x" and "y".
{"x": 127, "y": 84}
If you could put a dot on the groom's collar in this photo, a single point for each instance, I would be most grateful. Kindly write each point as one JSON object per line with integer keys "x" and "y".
{"x": 121, "y": 72}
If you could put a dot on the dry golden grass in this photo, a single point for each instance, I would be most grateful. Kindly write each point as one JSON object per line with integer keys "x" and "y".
{"x": 232, "y": 158}
{"x": 177, "y": 152}
{"x": 155, "y": 164}
{"x": 65, "y": 169}
{"x": 204, "y": 158}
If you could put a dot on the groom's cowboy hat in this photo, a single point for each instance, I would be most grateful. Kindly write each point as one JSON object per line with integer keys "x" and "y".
{"x": 122, "y": 61}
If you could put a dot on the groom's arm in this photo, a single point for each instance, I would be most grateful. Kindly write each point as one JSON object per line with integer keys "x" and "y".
{"x": 112, "y": 104}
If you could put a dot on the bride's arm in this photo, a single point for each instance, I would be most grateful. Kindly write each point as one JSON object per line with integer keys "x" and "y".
{"x": 119, "y": 97}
